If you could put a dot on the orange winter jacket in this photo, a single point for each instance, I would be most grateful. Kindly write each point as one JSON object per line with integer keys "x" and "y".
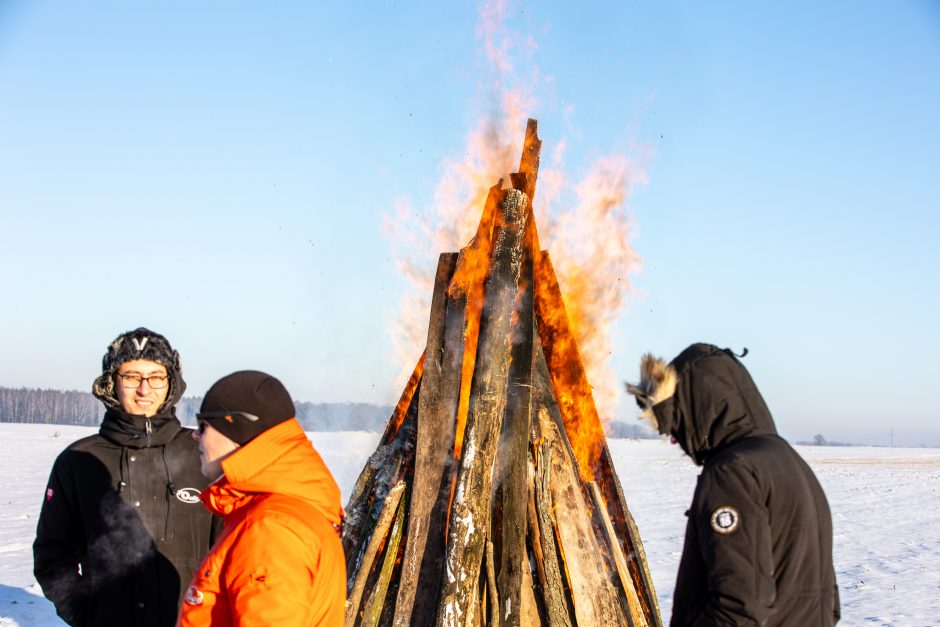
{"x": 279, "y": 560}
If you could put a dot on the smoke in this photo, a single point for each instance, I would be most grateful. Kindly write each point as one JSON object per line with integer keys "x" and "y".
{"x": 582, "y": 222}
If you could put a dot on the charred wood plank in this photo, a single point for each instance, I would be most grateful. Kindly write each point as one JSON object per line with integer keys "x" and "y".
{"x": 377, "y": 538}
{"x": 556, "y": 605}
{"x": 577, "y": 415}
{"x": 529, "y": 163}
{"x": 385, "y": 467}
{"x": 635, "y": 610}
{"x": 582, "y": 423}
{"x": 376, "y": 601}
{"x": 594, "y": 598}
{"x": 440, "y": 390}
{"x": 513, "y": 455}
{"x": 530, "y": 607}
{"x": 470, "y": 510}
{"x": 491, "y": 585}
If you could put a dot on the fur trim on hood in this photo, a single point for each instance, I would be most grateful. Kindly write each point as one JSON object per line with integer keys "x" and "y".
{"x": 657, "y": 384}
{"x": 141, "y": 343}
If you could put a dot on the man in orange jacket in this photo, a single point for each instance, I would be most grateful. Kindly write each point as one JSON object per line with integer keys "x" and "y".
{"x": 279, "y": 560}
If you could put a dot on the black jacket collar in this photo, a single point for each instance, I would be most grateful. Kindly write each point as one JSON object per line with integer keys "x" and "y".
{"x": 135, "y": 431}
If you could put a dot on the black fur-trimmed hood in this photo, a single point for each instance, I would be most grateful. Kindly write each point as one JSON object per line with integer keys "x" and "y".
{"x": 141, "y": 343}
{"x": 715, "y": 402}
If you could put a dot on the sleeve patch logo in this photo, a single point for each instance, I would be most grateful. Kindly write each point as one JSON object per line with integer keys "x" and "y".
{"x": 725, "y": 520}
{"x": 49, "y": 494}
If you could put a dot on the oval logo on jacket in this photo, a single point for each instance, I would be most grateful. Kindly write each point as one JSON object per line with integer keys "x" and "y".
{"x": 188, "y": 495}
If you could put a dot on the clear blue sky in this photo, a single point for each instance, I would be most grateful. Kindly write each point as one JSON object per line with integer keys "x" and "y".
{"x": 220, "y": 172}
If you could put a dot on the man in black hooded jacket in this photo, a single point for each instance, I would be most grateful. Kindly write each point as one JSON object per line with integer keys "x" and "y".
{"x": 122, "y": 529}
{"x": 758, "y": 542}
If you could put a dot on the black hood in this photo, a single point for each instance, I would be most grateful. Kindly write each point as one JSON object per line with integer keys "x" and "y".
{"x": 715, "y": 403}
{"x": 141, "y": 343}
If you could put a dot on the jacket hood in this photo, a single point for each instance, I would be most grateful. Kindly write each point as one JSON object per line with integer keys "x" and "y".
{"x": 279, "y": 461}
{"x": 715, "y": 403}
{"x": 141, "y": 343}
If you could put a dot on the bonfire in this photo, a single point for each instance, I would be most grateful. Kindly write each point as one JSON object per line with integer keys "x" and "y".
{"x": 492, "y": 498}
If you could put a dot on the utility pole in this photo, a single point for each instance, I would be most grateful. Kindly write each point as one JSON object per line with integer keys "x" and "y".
{"x": 892, "y": 438}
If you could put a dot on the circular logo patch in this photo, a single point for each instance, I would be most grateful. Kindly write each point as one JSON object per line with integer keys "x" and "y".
{"x": 725, "y": 520}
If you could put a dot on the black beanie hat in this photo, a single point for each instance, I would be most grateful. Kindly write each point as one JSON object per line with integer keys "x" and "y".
{"x": 234, "y": 401}
{"x": 141, "y": 343}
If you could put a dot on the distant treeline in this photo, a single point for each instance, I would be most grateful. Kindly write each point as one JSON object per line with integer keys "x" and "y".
{"x": 82, "y": 408}
{"x": 621, "y": 429}
{"x": 820, "y": 440}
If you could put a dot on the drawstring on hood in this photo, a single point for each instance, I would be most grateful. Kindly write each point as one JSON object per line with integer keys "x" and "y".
{"x": 123, "y": 469}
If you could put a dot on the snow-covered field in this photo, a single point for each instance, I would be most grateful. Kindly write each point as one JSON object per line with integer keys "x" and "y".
{"x": 885, "y": 506}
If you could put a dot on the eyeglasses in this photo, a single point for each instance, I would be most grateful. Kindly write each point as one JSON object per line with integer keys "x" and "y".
{"x": 229, "y": 416}
{"x": 156, "y": 381}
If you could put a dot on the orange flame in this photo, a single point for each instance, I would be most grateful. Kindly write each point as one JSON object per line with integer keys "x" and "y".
{"x": 588, "y": 238}
{"x": 594, "y": 262}
{"x": 404, "y": 402}
{"x": 468, "y": 281}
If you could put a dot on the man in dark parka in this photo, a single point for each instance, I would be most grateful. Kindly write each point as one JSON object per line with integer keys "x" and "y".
{"x": 122, "y": 528}
{"x": 758, "y": 542}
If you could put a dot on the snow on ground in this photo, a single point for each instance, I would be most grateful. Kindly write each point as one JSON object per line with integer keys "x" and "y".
{"x": 885, "y": 504}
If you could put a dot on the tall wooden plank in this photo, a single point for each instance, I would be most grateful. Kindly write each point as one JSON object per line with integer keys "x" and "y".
{"x": 513, "y": 462}
{"x": 470, "y": 510}
{"x": 595, "y": 600}
{"x": 440, "y": 389}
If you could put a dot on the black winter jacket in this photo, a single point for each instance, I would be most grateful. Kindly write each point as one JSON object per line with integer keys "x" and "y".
{"x": 758, "y": 543}
{"x": 122, "y": 529}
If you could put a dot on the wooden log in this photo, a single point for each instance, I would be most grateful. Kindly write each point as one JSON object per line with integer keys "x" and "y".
{"x": 556, "y": 605}
{"x": 572, "y": 390}
{"x": 468, "y": 281}
{"x": 440, "y": 391}
{"x": 359, "y": 527}
{"x": 635, "y": 610}
{"x": 513, "y": 452}
{"x": 382, "y": 471}
{"x": 594, "y": 598}
{"x": 530, "y": 607}
{"x": 535, "y": 539}
{"x": 470, "y": 510}
{"x": 377, "y": 596}
{"x": 543, "y": 392}
{"x": 543, "y": 395}
{"x": 578, "y": 415}
{"x": 529, "y": 163}
{"x": 386, "y": 467}
{"x": 379, "y": 532}
{"x": 404, "y": 403}
{"x": 476, "y": 613}
{"x": 491, "y": 585}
